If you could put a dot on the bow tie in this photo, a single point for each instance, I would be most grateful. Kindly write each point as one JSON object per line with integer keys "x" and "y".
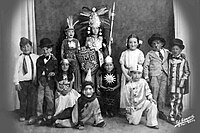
{"x": 178, "y": 58}
{"x": 46, "y": 57}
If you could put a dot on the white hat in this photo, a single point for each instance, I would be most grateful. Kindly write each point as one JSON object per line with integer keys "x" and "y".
{"x": 138, "y": 68}
{"x": 88, "y": 76}
{"x": 108, "y": 59}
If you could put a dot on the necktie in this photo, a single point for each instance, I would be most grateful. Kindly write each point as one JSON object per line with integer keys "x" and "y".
{"x": 160, "y": 55}
{"x": 25, "y": 69}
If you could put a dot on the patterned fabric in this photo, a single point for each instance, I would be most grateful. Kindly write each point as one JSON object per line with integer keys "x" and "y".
{"x": 178, "y": 71}
{"x": 178, "y": 74}
{"x": 109, "y": 96}
{"x": 96, "y": 43}
{"x": 69, "y": 50}
{"x": 176, "y": 107}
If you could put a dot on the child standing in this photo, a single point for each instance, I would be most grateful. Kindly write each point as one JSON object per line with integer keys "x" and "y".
{"x": 129, "y": 58}
{"x": 24, "y": 79}
{"x": 46, "y": 70}
{"x": 140, "y": 99}
{"x": 156, "y": 71}
{"x": 69, "y": 50}
{"x": 109, "y": 88}
{"x": 178, "y": 80}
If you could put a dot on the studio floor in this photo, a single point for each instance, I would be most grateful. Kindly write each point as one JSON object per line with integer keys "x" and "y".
{"x": 116, "y": 124}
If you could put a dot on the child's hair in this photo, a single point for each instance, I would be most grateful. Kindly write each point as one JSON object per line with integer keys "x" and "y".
{"x": 24, "y": 41}
{"x": 132, "y": 36}
{"x": 69, "y": 71}
{"x": 87, "y": 83}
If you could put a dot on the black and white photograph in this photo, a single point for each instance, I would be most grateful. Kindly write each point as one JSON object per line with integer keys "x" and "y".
{"x": 103, "y": 66}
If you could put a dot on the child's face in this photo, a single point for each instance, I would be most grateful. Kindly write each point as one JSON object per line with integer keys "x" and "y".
{"x": 88, "y": 91}
{"x": 133, "y": 43}
{"x": 176, "y": 50}
{"x": 136, "y": 75}
{"x": 95, "y": 30}
{"x": 26, "y": 49}
{"x": 46, "y": 51}
{"x": 70, "y": 33}
{"x": 157, "y": 45}
{"x": 64, "y": 86}
{"x": 65, "y": 66}
{"x": 109, "y": 67}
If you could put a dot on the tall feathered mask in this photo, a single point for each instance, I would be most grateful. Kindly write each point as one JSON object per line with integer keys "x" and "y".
{"x": 70, "y": 24}
{"x": 94, "y": 17}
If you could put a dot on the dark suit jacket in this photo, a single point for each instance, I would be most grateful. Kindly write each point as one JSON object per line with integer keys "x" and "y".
{"x": 50, "y": 66}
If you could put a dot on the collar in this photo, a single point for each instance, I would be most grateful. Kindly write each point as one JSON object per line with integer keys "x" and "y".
{"x": 176, "y": 57}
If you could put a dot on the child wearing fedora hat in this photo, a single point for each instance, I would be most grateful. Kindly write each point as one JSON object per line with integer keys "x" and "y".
{"x": 24, "y": 79}
{"x": 140, "y": 99}
{"x": 156, "y": 71}
{"x": 47, "y": 68}
{"x": 178, "y": 80}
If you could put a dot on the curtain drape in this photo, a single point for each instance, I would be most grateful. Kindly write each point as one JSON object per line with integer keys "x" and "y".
{"x": 181, "y": 31}
{"x": 22, "y": 25}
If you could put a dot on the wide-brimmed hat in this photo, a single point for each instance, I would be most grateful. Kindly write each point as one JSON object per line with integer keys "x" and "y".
{"x": 178, "y": 42}
{"x": 156, "y": 36}
{"x": 46, "y": 42}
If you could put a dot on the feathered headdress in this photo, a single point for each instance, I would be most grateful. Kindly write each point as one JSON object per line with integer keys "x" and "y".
{"x": 94, "y": 17}
{"x": 70, "y": 24}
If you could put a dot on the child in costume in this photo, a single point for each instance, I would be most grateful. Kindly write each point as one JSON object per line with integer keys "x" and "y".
{"x": 178, "y": 80}
{"x": 95, "y": 39}
{"x": 65, "y": 96}
{"x": 87, "y": 106}
{"x": 129, "y": 58}
{"x": 47, "y": 68}
{"x": 140, "y": 99}
{"x": 156, "y": 71}
{"x": 24, "y": 80}
{"x": 109, "y": 87}
{"x": 69, "y": 50}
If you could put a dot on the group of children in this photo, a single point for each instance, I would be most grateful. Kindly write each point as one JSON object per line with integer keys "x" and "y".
{"x": 52, "y": 92}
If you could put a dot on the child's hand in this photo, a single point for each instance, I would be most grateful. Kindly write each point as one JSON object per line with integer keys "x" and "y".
{"x": 18, "y": 87}
{"x": 181, "y": 83}
{"x": 51, "y": 74}
{"x": 147, "y": 79}
{"x": 128, "y": 78}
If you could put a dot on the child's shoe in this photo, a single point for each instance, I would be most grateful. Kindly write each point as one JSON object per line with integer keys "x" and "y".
{"x": 22, "y": 119}
{"x": 32, "y": 121}
{"x": 154, "y": 127}
{"x": 101, "y": 124}
{"x": 80, "y": 127}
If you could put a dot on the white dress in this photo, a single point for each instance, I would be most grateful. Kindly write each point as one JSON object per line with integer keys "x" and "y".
{"x": 63, "y": 102}
{"x": 128, "y": 58}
